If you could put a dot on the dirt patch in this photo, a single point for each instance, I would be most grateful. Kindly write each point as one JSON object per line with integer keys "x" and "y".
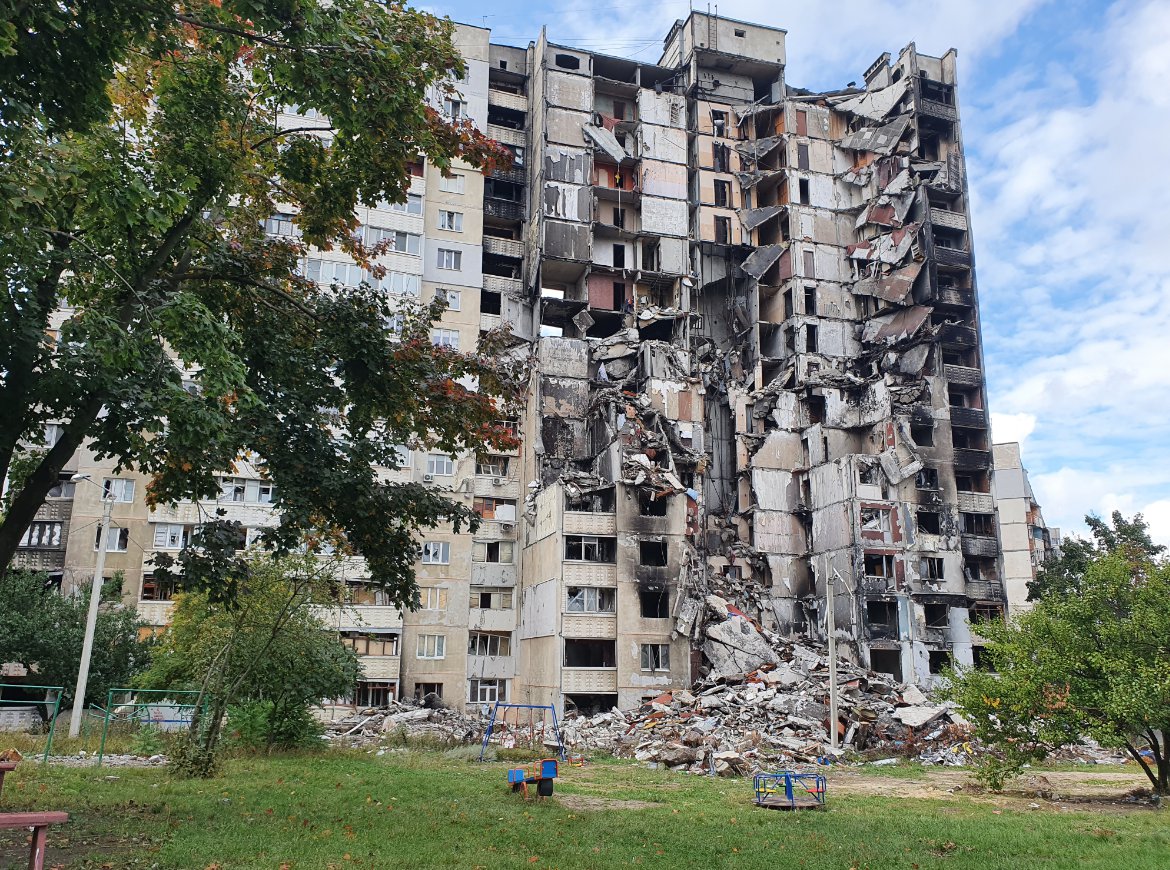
{"x": 586, "y": 802}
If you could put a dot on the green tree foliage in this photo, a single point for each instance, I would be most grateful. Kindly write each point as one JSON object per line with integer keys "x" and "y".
{"x": 1064, "y": 573}
{"x": 1090, "y": 662}
{"x": 268, "y": 649}
{"x": 191, "y": 337}
{"x": 43, "y": 631}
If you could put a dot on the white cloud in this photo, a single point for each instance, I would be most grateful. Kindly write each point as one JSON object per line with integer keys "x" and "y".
{"x": 1012, "y": 427}
{"x": 1067, "y": 494}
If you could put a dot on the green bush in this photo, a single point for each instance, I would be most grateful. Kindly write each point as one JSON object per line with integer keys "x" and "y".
{"x": 261, "y": 726}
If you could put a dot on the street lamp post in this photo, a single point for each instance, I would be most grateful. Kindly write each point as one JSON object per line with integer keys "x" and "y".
{"x": 95, "y": 597}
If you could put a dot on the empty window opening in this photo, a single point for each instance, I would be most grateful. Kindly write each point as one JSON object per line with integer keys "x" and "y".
{"x": 374, "y": 693}
{"x": 816, "y": 409}
{"x": 619, "y": 217}
{"x": 597, "y": 501}
{"x": 651, "y": 255}
{"x": 591, "y": 599}
{"x": 810, "y": 301}
{"x": 590, "y": 548}
{"x": 651, "y": 506}
{"x": 723, "y": 194}
{"x": 929, "y": 522}
{"x": 879, "y": 565}
{"x": 652, "y": 553}
{"x": 590, "y": 705}
{"x": 720, "y": 157}
{"x": 619, "y": 110}
{"x": 939, "y": 659}
{"x": 810, "y": 338}
{"x": 927, "y": 479}
{"x": 922, "y": 434}
{"x": 654, "y": 599}
{"x": 805, "y": 197}
{"x": 882, "y": 614}
{"x": 972, "y": 483}
{"x": 590, "y": 653}
{"x": 980, "y": 659}
{"x": 719, "y": 122}
{"x": 567, "y": 61}
{"x": 655, "y": 656}
{"x": 788, "y": 311}
{"x": 740, "y": 33}
{"x": 619, "y": 256}
{"x": 489, "y": 302}
{"x": 491, "y": 597}
{"x": 886, "y": 661}
{"x": 984, "y": 612}
{"x": 978, "y": 524}
{"x": 162, "y": 590}
{"x": 492, "y": 552}
{"x": 429, "y": 693}
{"x": 723, "y": 231}
{"x": 482, "y": 643}
{"x": 371, "y": 644}
{"x": 936, "y": 615}
{"x": 875, "y": 520}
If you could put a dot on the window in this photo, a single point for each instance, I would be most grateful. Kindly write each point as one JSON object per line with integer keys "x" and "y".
{"x": 363, "y": 594}
{"x": 282, "y": 224}
{"x": 651, "y": 506}
{"x": 456, "y": 109}
{"x": 719, "y": 122}
{"x": 451, "y": 220}
{"x": 42, "y": 534}
{"x": 431, "y": 646}
{"x": 879, "y": 565}
{"x": 810, "y": 338}
{"x": 490, "y": 508}
{"x": 883, "y": 614}
{"x": 329, "y": 272}
{"x": 491, "y": 597}
{"x": 374, "y": 693}
{"x": 451, "y": 183}
{"x": 810, "y": 264}
{"x": 652, "y": 553}
{"x": 810, "y": 301}
{"x": 423, "y": 691}
{"x": 590, "y": 548}
{"x": 171, "y": 536}
{"x": 723, "y": 230}
{"x": 740, "y": 33}
{"x": 922, "y": 434}
{"x": 985, "y": 612}
{"x": 117, "y": 540}
{"x": 413, "y": 205}
{"x": 53, "y": 433}
{"x": 619, "y": 218}
{"x": 655, "y": 656}
{"x": 720, "y": 157}
{"x": 64, "y": 487}
{"x": 886, "y": 661}
{"x": 400, "y": 284}
{"x": 449, "y": 259}
{"x": 929, "y": 522}
{"x": 723, "y": 194}
{"x": 931, "y": 568}
{"x": 590, "y": 599}
{"x": 482, "y": 643}
{"x": 487, "y": 691}
{"x": 590, "y": 653}
{"x": 567, "y": 61}
{"x": 239, "y": 489}
{"x": 619, "y": 256}
{"x": 436, "y": 553}
{"x": 927, "y": 479}
{"x": 489, "y": 302}
{"x": 654, "y": 599}
{"x": 875, "y": 520}
{"x": 492, "y": 466}
{"x": 802, "y": 156}
{"x": 157, "y": 590}
{"x": 440, "y": 465}
{"x": 118, "y": 489}
{"x": 936, "y": 615}
{"x": 445, "y": 338}
{"x": 978, "y": 524}
{"x": 938, "y": 659}
{"x": 432, "y": 598}
{"x": 401, "y": 456}
{"x": 396, "y": 241}
{"x": 371, "y": 644}
{"x": 499, "y": 552}
{"x": 803, "y": 193}
{"x": 453, "y": 298}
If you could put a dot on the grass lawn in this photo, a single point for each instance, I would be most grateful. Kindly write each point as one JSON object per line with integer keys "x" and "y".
{"x": 421, "y": 809}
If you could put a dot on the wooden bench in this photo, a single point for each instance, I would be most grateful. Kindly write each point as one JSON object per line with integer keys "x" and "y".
{"x": 39, "y": 822}
{"x": 5, "y": 767}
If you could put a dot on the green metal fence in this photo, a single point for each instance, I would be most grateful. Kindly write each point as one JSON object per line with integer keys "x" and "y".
{"x": 133, "y": 709}
{"x": 50, "y": 691}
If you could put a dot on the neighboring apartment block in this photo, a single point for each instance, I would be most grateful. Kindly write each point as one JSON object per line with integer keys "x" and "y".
{"x": 1027, "y": 541}
{"x": 752, "y": 318}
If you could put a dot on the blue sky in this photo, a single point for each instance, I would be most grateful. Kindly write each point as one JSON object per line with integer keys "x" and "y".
{"x": 1066, "y": 120}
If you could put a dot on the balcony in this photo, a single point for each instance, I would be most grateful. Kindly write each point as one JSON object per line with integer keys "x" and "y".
{"x": 878, "y": 585}
{"x": 952, "y": 256}
{"x": 589, "y": 681}
{"x": 589, "y": 574}
{"x": 954, "y": 297}
{"x": 971, "y": 418}
{"x": 380, "y": 667}
{"x": 958, "y": 335}
{"x": 497, "y": 487}
{"x": 600, "y": 626}
{"x": 503, "y": 247}
{"x": 480, "y": 619}
{"x": 963, "y": 376}
{"x": 935, "y": 109}
{"x": 505, "y": 134}
{"x": 155, "y": 612}
{"x": 515, "y": 175}
{"x": 493, "y": 574}
{"x": 507, "y": 100}
{"x": 976, "y": 502}
{"x": 985, "y": 590}
{"x": 505, "y": 209}
{"x": 955, "y": 220}
{"x": 584, "y": 523}
{"x": 500, "y": 284}
{"x": 491, "y": 667}
{"x": 979, "y": 545}
{"x": 972, "y": 460}
{"x": 359, "y": 616}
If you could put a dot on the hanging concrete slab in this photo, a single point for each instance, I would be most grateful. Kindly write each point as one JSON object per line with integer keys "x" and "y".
{"x": 762, "y": 259}
{"x": 879, "y": 140}
{"x": 893, "y": 287}
{"x": 606, "y": 141}
{"x": 754, "y": 217}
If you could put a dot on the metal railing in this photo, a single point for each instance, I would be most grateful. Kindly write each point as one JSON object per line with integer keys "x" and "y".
{"x": 52, "y": 719}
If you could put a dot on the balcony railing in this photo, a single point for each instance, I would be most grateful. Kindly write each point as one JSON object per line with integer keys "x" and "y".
{"x": 505, "y": 134}
{"x": 589, "y": 523}
{"x": 972, "y": 418}
{"x": 935, "y": 109}
{"x": 963, "y": 376}
{"x": 516, "y": 175}
{"x": 954, "y": 297}
{"x": 503, "y": 247}
{"x": 959, "y": 335}
{"x": 985, "y": 590}
{"x": 972, "y": 460}
{"x": 503, "y": 208}
{"x": 976, "y": 502}
{"x": 980, "y": 545}
{"x": 955, "y": 220}
{"x": 507, "y": 100}
{"x": 500, "y": 284}
{"x": 589, "y": 680}
{"x": 952, "y": 256}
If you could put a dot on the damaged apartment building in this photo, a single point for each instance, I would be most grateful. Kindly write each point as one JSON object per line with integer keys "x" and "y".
{"x": 755, "y": 373}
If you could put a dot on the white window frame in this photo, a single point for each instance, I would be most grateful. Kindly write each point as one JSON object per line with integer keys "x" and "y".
{"x": 455, "y": 109}
{"x": 413, "y": 205}
{"x": 440, "y": 465}
{"x": 453, "y": 298}
{"x": 453, "y": 183}
{"x": 401, "y": 242}
{"x": 654, "y": 656}
{"x": 487, "y": 691}
{"x": 403, "y": 456}
{"x": 431, "y": 646}
{"x": 171, "y": 536}
{"x": 589, "y": 599}
{"x": 452, "y": 221}
{"x": 491, "y": 466}
{"x": 441, "y": 337}
{"x": 489, "y": 644}
{"x": 121, "y": 487}
{"x": 500, "y": 598}
{"x": 48, "y": 534}
{"x": 436, "y": 553}
{"x": 119, "y": 537}
{"x": 449, "y": 260}
{"x": 479, "y": 552}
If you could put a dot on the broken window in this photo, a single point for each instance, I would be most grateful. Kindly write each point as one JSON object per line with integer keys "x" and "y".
{"x": 931, "y": 568}
{"x": 886, "y": 661}
{"x": 922, "y": 434}
{"x": 929, "y": 522}
{"x": 491, "y": 466}
{"x": 491, "y": 597}
{"x": 357, "y": 592}
{"x": 619, "y": 217}
{"x": 371, "y": 644}
{"x": 590, "y": 548}
{"x": 881, "y": 615}
{"x": 44, "y": 534}
{"x": 985, "y": 612}
{"x": 489, "y": 302}
{"x": 801, "y": 154}
{"x": 482, "y": 691}
{"x": 972, "y": 482}
{"x": 810, "y": 301}
{"x": 788, "y": 310}
{"x": 598, "y": 501}
{"x": 619, "y": 110}
{"x": 501, "y": 509}
{"x": 482, "y": 643}
{"x": 619, "y": 295}
{"x": 723, "y": 230}
{"x": 879, "y": 565}
{"x": 120, "y": 489}
{"x": 936, "y": 615}
{"x": 720, "y": 157}
{"x": 816, "y": 409}
{"x": 431, "y": 646}
{"x": 980, "y": 659}
{"x": 567, "y": 61}
{"x": 591, "y": 599}
{"x": 619, "y": 256}
{"x": 498, "y": 552}
{"x": 927, "y": 479}
{"x": 804, "y": 196}
{"x": 719, "y": 122}
{"x": 581, "y": 653}
{"x": 810, "y": 338}
{"x": 654, "y": 599}
{"x": 423, "y": 691}
{"x": 117, "y": 540}
{"x": 436, "y": 553}
{"x": 977, "y": 524}
{"x": 374, "y": 693}
{"x": 655, "y": 656}
{"x": 652, "y": 505}
{"x": 982, "y": 569}
{"x": 157, "y": 590}
{"x": 938, "y": 660}
{"x": 64, "y": 487}
{"x": 432, "y": 598}
{"x": 650, "y": 255}
{"x": 875, "y": 520}
{"x": 723, "y": 194}
{"x": 652, "y": 553}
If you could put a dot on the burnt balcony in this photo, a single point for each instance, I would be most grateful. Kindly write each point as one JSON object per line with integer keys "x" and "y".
{"x": 514, "y": 175}
{"x": 967, "y": 459}
{"x": 952, "y": 256}
{"x": 976, "y": 502}
{"x": 953, "y": 297}
{"x": 935, "y": 109}
{"x": 506, "y": 135}
{"x": 958, "y": 335}
{"x": 962, "y": 376}
{"x": 504, "y": 209}
{"x": 971, "y": 418}
{"x": 955, "y": 220}
{"x": 985, "y": 590}
{"x": 980, "y": 545}
{"x": 503, "y": 285}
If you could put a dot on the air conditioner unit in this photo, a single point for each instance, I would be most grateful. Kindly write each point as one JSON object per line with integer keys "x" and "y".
{"x": 427, "y": 478}
{"x": 498, "y": 481}
{"x": 507, "y": 527}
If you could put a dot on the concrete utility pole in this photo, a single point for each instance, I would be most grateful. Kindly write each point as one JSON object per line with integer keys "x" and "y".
{"x": 95, "y": 597}
{"x": 831, "y": 628}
